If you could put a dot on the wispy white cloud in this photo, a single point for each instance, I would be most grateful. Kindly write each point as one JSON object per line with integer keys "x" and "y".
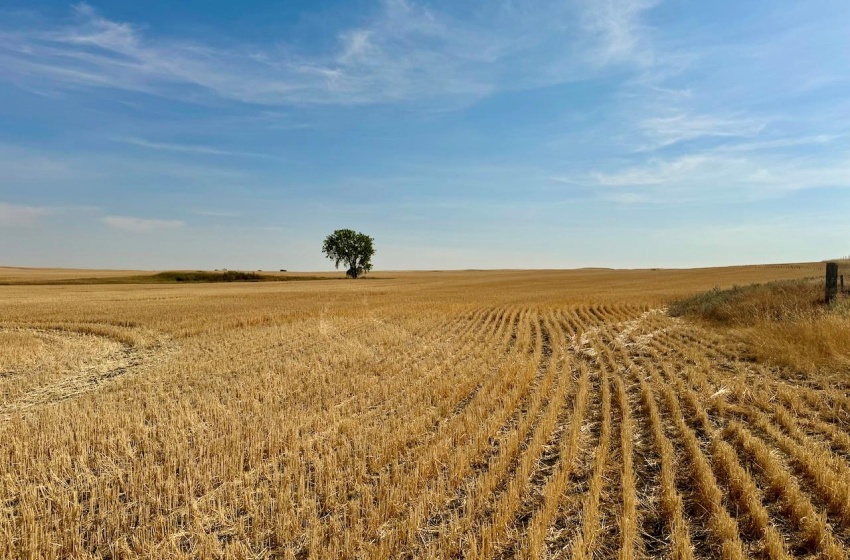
{"x": 681, "y": 127}
{"x": 619, "y": 30}
{"x": 216, "y": 213}
{"x": 18, "y": 215}
{"x": 129, "y": 223}
{"x": 719, "y": 176}
{"x": 356, "y": 45}
{"x": 25, "y": 165}
{"x": 781, "y": 143}
{"x": 20, "y": 165}
{"x": 406, "y": 51}
{"x": 654, "y": 172}
{"x": 189, "y": 148}
{"x": 628, "y": 197}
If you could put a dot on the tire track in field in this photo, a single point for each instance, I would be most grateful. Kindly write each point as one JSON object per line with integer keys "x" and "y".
{"x": 128, "y": 359}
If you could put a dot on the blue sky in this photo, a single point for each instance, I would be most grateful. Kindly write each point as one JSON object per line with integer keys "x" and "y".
{"x": 503, "y": 134}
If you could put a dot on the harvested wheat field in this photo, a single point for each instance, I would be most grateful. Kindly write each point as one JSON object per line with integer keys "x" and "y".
{"x": 539, "y": 414}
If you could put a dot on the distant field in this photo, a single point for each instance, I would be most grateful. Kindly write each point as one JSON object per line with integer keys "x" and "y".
{"x": 22, "y": 274}
{"x": 478, "y": 414}
{"x": 68, "y": 277}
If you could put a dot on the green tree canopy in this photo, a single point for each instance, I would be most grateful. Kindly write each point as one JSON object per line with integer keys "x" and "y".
{"x": 352, "y": 248}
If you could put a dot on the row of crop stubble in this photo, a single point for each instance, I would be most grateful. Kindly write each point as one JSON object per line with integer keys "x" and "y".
{"x": 409, "y": 429}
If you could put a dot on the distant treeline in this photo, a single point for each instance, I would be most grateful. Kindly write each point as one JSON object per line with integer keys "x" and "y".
{"x": 204, "y": 276}
{"x": 174, "y": 277}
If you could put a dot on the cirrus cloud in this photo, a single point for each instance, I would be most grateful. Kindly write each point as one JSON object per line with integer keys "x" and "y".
{"x": 19, "y": 215}
{"x": 403, "y": 51}
{"x": 129, "y": 223}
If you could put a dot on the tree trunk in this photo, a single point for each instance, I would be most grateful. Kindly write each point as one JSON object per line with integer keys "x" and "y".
{"x": 352, "y": 268}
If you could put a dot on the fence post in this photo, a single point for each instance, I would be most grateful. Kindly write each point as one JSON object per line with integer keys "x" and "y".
{"x": 831, "y": 281}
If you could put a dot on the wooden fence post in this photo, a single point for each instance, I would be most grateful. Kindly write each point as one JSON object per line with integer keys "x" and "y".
{"x": 831, "y": 281}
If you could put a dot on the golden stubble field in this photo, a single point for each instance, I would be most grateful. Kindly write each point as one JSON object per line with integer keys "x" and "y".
{"x": 540, "y": 414}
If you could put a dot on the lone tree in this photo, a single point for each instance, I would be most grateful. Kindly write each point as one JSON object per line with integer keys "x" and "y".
{"x": 352, "y": 248}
